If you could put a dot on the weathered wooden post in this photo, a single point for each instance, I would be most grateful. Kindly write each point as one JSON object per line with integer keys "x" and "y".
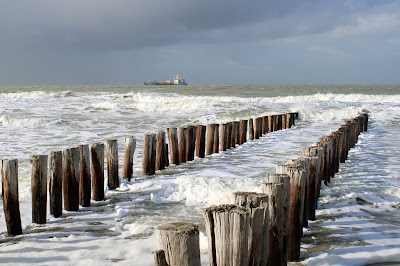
{"x": 216, "y": 138}
{"x": 153, "y": 154}
{"x": 265, "y": 124}
{"x": 336, "y": 143}
{"x": 210, "y": 139}
{"x": 243, "y": 131}
{"x": 193, "y": 142}
{"x": 232, "y": 141}
{"x": 112, "y": 163}
{"x": 201, "y": 141}
{"x": 189, "y": 143}
{"x": 130, "y": 147}
{"x": 257, "y": 205}
{"x": 166, "y": 158}
{"x": 284, "y": 126}
{"x": 9, "y": 173}
{"x": 173, "y": 145}
{"x": 257, "y": 127}
{"x": 182, "y": 144}
{"x": 39, "y": 188}
{"x": 271, "y": 120}
{"x": 160, "y": 150}
{"x": 279, "y": 122}
{"x": 283, "y": 179}
{"x": 304, "y": 164}
{"x": 276, "y": 204}
{"x": 55, "y": 183}
{"x": 237, "y": 133}
{"x": 85, "y": 186}
{"x": 180, "y": 242}
{"x": 289, "y": 120}
{"x": 343, "y": 142}
{"x": 312, "y": 185}
{"x": 70, "y": 177}
{"x": 223, "y": 137}
{"x": 324, "y": 142}
{"x": 228, "y": 134}
{"x": 227, "y": 229}
{"x": 365, "y": 122}
{"x": 97, "y": 170}
{"x": 147, "y": 150}
{"x": 297, "y": 189}
{"x": 251, "y": 129}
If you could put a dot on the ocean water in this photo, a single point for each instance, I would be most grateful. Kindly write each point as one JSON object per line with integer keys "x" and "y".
{"x": 358, "y": 218}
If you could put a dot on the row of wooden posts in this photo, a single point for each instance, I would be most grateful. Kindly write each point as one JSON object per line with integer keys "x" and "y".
{"x": 206, "y": 140}
{"x": 263, "y": 228}
{"x": 76, "y": 175}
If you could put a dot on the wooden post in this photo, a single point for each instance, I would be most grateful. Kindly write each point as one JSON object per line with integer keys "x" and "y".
{"x": 173, "y": 145}
{"x": 130, "y": 147}
{"x": 210, "y": 139}
{"x": 147, "y": 150}
{"x": 265, "y": 124}
{"x": 342, "y": 143}
{"x": 97, "y": 170}
{"x": 9, "y": 173}
{"x": 70, "y": 177}
{"x": 284, "y": 179}
{"x": 284, "y": 126}
{"x": 216, "y": 138}
{"x": 189, "y": 143}
{"x": 271, "y": 120}
{"x": 153, "y": 154}
{"x": 223, "y": 137}
{"x": 297, "y": 188}
{"x": 201, "y": 141}
{"x": 85, "y": 186}
{"x": 237, "y": 132}
{"x": 233, "y": 135}
{"x": 243, "y": 131}
{"x": 39, "y": 188}
{"x": 279, "y": 122}
{"x": 182, "y": 144}
{"x": 288, "y": 120}
{"x": 312, "y": 185}
{"x": 180, "y": 242}
{"x": 276, "y": 203}
{"x": 251, "y": 129}
{"x": 112, "y": 163}
{"x": 257, "y": 127}
{"x": 304, "y": 163}
{"x": 166, "y": 158}
{"x": 160, "y": 149}
{"x": 228, "y": 135}
{"x": 55, "y": 183}
{"x": 193, "y": 142}
{"x": 227, "y": 229}
{"x": 365, "y": 122}
{"x": 257, "y": 205}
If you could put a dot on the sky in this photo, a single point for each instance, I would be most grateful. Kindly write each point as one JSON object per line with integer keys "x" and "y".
{"x": 127, "y": 42}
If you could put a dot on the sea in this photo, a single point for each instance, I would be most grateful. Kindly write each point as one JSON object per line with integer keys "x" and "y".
{"x": 358, "y": 216}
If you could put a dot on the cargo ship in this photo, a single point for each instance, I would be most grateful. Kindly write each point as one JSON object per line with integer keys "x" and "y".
{"x": 177, "y": 81}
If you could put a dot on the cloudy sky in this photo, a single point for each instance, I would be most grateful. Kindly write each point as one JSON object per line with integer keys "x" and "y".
{"x": 52, "y": 42}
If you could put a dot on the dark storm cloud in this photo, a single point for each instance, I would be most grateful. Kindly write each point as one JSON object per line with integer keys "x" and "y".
{"x": 120, "y": 24}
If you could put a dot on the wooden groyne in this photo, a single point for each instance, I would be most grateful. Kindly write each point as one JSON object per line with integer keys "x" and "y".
{"x": 237, "y": 233}
{"x": 76, "y": 175}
